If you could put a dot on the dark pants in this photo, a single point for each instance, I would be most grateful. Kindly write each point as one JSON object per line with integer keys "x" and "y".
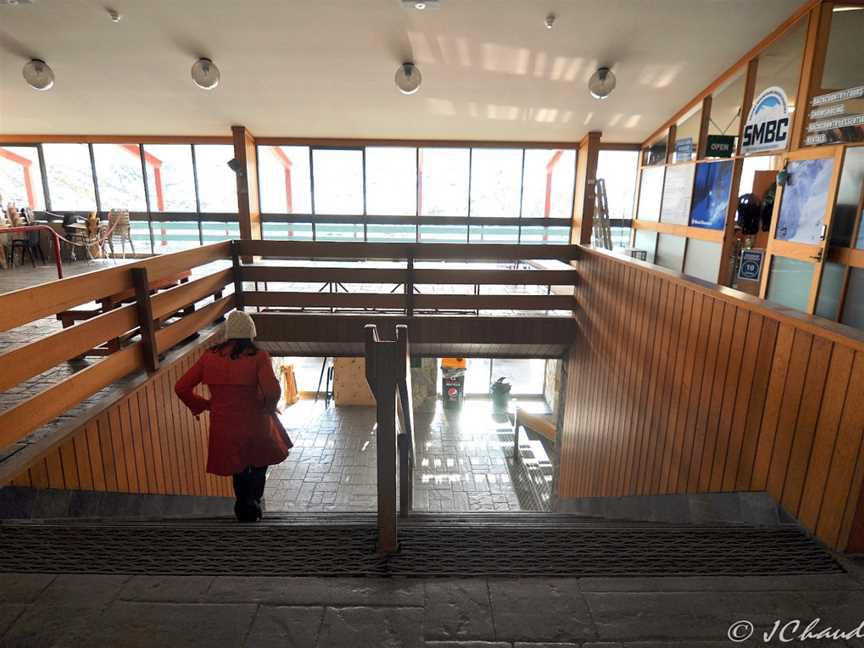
{"x": 249, "y": 489}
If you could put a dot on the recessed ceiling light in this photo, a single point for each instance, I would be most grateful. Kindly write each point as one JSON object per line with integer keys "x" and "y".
{"x": 38, "y": 74}
{"x": 408, "y": 78}
{"x": 420, "y": 5}
{"x": 114, "y": 15}
{"x": 550, "y": 21}
{"x": 205, "y": 74}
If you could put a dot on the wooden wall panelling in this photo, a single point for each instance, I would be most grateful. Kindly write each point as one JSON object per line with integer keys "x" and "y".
{"x": 82, "y": 461}
{"x": 95, "y": 454}
{"x": 675, "y": 387}
{"x": 70, "y": 467}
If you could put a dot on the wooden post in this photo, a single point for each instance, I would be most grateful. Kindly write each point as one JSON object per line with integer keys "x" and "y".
{"x": 409, "y": 286}
{"x": 586, "y": 176}
{"x": 145, "y": 318}
{"x": 382, "y": 365}
{"x": 238, "y": 279}
{"x": 405, "y": 437}
{"x": 248, "y": 205}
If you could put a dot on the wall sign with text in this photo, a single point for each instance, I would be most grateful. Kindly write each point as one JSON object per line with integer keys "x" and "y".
{"x": 836, "y": 117}
{"x": 767, "y": 127}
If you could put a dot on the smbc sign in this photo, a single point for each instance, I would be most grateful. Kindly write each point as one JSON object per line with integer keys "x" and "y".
{"x": 767, "y": 127}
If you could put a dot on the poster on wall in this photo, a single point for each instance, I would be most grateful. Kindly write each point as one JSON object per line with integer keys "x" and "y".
{"x": 750, "y": 266}
{"x": 711, "y": 195}
{"x": 677, "y": 191}
{"x": 805, "y": 198}
{"x": 767, "y": 127}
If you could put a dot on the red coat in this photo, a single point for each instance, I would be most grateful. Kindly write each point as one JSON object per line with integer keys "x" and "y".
{"x": 243, "y": 394}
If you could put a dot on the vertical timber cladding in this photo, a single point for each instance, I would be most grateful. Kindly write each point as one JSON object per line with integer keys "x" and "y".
{"x": 677, "y": 387}
{"x": 145, "y": 442}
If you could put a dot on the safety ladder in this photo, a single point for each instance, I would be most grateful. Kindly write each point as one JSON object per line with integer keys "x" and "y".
{"x": 602, "y": 231}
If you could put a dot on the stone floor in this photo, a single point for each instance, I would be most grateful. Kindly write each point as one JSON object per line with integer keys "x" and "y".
{"x": 460, "y": 460}
{"x": 112, "y": 611}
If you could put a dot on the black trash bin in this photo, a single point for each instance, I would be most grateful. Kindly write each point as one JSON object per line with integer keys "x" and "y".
{"x": 499, "y": 391}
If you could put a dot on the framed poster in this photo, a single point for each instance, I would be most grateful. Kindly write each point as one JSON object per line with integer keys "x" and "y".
{"x": 805, "y": 198}
{"x": 711, "y": 195}
{"x": 677, "y": 191}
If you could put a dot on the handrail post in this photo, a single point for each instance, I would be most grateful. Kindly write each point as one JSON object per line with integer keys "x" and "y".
{"x": 145, "y": 318}
{"x": 382, "y": 363}
{"x": 405, "y": 437}
{"x": 238, "y": 278}
{"x": 409, "y": 286}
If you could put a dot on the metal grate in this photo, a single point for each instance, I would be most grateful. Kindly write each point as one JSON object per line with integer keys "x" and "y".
{"x": 427, "y": 549}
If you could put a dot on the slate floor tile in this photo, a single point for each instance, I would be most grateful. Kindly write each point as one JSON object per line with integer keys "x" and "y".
{"x": 176, "y": 589}
{"x": 23, "y": 588}
{"x": 563, "y": 615}
{"x": 285, "y": 627}
{"x": 366, "y": 627}
{"x": 458, "y": 609}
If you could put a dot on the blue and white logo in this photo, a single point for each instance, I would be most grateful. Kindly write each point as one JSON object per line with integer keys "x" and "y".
{"x": 767, "y": 127}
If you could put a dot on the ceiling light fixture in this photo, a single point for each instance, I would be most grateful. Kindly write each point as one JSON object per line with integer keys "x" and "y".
{"x": 419, "y": 6}
{"x": 38, "y": 74}
{"x": 115, "y": 15}
{"x": 602, "y": 83}
{"x": 205, "y": 74}
{"x": 550, "y": 21}
{"x": 408, "y": 78}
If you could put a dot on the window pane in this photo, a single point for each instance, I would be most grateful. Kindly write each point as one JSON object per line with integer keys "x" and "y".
{"x": 20, "y": 177}
{"x": 213, "y": 231}
{"x": 338, "y": 177}
{"x": 688, "y": 129}
{"x": 843, "y": 56}
{"x": 476, "y": 376}
{"x": 525, "y": 376}
{"x": 829, "y": 290}
{"x": 170, "y": 181}
{"x": 496, "y": 177}
{"x": 70, "y": 178}
{"x": 387, "y": 233}
{"x": 548, "y": 183}
{"x": 444, "y": 182}
{"x": 646, "y": 240}
{"x": 170, "y": 236}
{"x": 703, "y": 259}
{"x": 535, "y": 234}
{"x": 339, "y": 232}
{"x": 789, "y": 282}
{"x": 287, "y": 231}
{"x": 619, "y": 170}
{"x": 391, "y": 181}
{"x": 283, "y": 176}
{"x": 677, "y": 192}
{"x": 805, "y": 197}
{"x": 217, "y": 184}
{"x": 118, "y": 173}
{"x": 651, "y": 193}
{"x": 846, "y": 209}
{"x": 853, "y": 309}
{"x": 443, "y": 234}
{"x": 726, "y": 108}
{"x": 670, "y": 251}
{"x": 494, "y": 234}
{"x": 140, "y": 231}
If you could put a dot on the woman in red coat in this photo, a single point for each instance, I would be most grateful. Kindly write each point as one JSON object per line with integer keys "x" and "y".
{"x": 244, "y": 392}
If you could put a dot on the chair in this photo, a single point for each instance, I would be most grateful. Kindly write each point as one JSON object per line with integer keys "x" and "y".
{"x": 28, "y": 242}
{"x": 118, "y": 219}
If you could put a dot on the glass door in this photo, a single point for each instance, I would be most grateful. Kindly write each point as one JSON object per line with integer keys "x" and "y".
{"x": 800, "y": 227}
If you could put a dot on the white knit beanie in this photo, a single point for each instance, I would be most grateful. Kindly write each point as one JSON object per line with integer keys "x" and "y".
{"x": 240, "y": 326}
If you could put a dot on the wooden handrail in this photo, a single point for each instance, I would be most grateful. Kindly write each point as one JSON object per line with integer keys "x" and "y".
{"x": 419, "y": 251}
{"x": 28, "y": 304}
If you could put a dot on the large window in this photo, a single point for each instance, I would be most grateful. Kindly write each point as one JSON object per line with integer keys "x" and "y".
{"x": 284, "y": 179}
{"x": 217, "y": 184}
{"x": 20, "y": 177}
{"x": 70, "y": 177}
{"x": 496, "y": 176}
{"x": 170, "y": 177}
{"x": 119, "y": 177}
{"x": 338, "y": 180}
{"x": 444, "y": 177}
{"x": 391, "y": 181}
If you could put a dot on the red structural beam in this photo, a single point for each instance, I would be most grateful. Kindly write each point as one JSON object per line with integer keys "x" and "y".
{"x": 285, "y": 161}
{"x": 550, "y": 169}
{"x": 156, "y": 165}
{"x": 25, "y": 167}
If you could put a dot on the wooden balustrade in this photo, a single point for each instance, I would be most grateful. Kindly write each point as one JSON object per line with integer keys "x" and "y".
{"x": 678, "y": 386}
{"x": 138, "y": 322}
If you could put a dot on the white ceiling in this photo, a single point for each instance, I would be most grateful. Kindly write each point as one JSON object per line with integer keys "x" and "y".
{"x": 324, "y": 68}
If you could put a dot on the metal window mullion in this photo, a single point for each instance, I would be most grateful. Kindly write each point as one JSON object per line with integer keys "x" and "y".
{"x": 312, "y": 191}
{"x": 95, "y": 178}
{"x": 521, "y": 198}
{"x": 363, "y": 158}
{"x": 417, "y": 183}
{"x": 573, "y": 191}
{"x": 470, "y": 173}
{"x": 146, "y": 196}
{"x": 43, "y": 170}
{"x": 197, "y": 197}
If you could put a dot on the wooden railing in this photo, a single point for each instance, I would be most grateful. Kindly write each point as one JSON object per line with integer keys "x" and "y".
{"x": 406, "y": 297}
{"x": 136, "y": 322}
{"x": 677, "y": 386}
